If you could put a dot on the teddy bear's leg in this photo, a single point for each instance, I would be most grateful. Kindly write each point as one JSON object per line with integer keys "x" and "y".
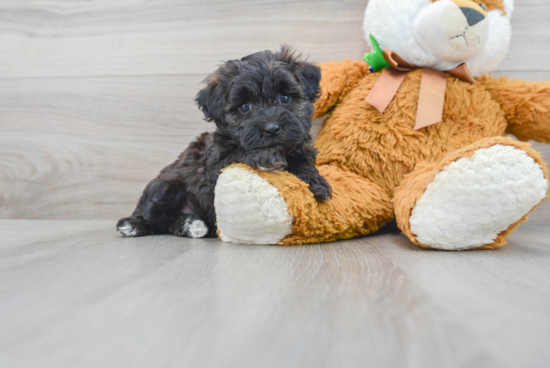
{"x": 258, "y": 207}
{"x": 474, "y": 198}
{"x": 526, "y": 105}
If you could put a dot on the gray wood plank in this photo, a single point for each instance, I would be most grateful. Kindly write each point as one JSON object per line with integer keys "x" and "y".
{"x": 46, "y": 38}
{"x": 85, "y": 148}
{"x": 90, "y": 298}
{"x": 71, "y": 38}
{"x": 530, "y": 37}
{"x": 529, "y": 75}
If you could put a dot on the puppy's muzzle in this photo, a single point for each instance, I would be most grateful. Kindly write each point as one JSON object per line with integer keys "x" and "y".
{"x": 272, "y": 129}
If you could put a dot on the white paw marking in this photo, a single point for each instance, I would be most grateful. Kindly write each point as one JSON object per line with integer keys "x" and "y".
{"x": 472, "y": 200}
{"x": 127, "y": 229}
{"x": 197, "y": 229}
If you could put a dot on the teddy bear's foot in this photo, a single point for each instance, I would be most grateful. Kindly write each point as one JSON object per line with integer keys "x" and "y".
{"x": 475, "y": 200}
{"x": 249, "y": 209}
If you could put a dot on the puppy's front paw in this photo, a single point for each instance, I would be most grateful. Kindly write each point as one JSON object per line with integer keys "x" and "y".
{"x": 275, "y": 166}
{"x": 266, "y": 160}
{"x": 321, "y": 189}
{"x": 131, "y": 227}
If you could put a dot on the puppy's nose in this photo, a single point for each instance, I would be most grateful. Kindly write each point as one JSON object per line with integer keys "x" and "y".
{"x": 272, "y": 128}
{"x": 473, "y": 16}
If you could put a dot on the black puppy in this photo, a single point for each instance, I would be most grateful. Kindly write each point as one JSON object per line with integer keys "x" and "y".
{"x": 262, "y": 106}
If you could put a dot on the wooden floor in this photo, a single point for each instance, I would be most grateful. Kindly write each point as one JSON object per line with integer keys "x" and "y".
{"x": 76, "y": 294}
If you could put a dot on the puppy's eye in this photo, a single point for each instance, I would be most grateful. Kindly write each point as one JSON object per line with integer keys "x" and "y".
{"x": 285, "y": 100}
{"x": 245, "y": 108}
{"x": 483, "y": 6}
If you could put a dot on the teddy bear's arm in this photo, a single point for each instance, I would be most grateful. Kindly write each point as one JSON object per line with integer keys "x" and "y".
{"x": 526, "y": 105}
{"x": 337, "y": 79}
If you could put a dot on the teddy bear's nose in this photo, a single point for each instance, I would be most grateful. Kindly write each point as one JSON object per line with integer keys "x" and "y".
{"x": 472, "y": 15}
{"x": 272, "y": 128}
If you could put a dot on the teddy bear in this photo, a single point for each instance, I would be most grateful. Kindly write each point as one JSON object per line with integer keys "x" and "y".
{"x": 415, "y": 135}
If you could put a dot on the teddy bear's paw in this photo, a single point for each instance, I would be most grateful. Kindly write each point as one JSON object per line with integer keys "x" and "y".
{"x": 472, "y": 200}
{"x": 249, "y": 209}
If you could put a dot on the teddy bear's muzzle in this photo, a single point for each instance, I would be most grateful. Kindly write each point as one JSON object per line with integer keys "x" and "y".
{"x": 453, "y": 31}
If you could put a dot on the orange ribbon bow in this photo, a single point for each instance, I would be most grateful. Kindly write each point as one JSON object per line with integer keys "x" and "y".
{"x": 432, "y": 88}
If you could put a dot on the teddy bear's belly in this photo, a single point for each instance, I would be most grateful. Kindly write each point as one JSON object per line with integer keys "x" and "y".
{"x": 385, "y": 147}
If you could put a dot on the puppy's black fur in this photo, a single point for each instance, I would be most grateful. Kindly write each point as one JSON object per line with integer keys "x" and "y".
{"x": 262, "y": 106}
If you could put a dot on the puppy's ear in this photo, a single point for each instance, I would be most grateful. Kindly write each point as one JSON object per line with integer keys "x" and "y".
{"x": 308, "y": 74}
{"x": 211, "y": 99}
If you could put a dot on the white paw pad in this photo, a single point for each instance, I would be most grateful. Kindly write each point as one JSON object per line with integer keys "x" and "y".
{"x": 472, "y": 200}
{"x": 197, "y": 229}
{"x": 249, "y": 209}
{"x": 127, "y": 229}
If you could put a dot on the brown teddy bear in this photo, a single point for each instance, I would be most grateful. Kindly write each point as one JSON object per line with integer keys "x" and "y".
{"x": 415, "y": 135}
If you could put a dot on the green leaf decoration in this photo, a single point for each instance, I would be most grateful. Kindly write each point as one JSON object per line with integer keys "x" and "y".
{"x": 376, "y": 58}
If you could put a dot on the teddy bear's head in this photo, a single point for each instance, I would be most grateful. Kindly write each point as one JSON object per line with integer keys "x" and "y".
{"x": 442, "y": 34}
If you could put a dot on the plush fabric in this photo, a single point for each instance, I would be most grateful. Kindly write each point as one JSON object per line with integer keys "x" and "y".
{"x": 380, "y": 168}
{"x": 254, "y": 209}
{"x": 476, "y": 195}
{"x": 396, "y": 26}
